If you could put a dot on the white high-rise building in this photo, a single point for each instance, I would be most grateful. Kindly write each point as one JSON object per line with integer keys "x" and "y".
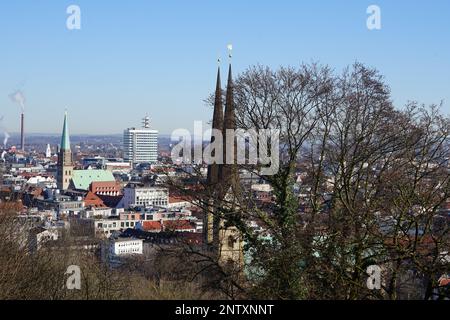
{"x": 140, "y": 145}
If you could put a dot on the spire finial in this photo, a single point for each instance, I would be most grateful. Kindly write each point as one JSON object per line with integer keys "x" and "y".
{"x": 230, "y": 51}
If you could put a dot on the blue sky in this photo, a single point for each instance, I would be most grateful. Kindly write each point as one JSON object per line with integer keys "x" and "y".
{"x": 157, "y": 57}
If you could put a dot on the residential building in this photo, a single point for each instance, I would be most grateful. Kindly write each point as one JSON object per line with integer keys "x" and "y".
{"x": 106, "y": 227}
{"x": 39, "y": 236}
{"x": 125, "y": 246}
{"x": 137, "y": 194}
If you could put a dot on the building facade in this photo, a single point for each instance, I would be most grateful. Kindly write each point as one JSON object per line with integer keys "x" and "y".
{"x": 125, "y": 246}
{"x": 136, "y": 194}
{"x": 140, "y": 145}
{"x": 117, "y": 250}
{"x": 105, "y": 188}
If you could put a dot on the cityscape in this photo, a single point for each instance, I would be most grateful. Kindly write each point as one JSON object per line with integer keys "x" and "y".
{"x": 297, "y": 182}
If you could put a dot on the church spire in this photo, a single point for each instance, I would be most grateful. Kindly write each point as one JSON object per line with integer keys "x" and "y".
{"x": 65, "y": 139}
{"x": 230, "y": 119}
{"x": 228, "y": 173}
{"x": 65, "y": 165}
{"x": 222, "y": 239}
{"x": 217, "y": 123}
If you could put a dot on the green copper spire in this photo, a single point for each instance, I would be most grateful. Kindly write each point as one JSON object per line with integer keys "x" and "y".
{"x": 65, "y": 139}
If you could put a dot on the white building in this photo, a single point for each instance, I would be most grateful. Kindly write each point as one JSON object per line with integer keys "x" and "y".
{"x": 104, "y": 228}
{"x": 140, "y": 145}
{"x": 97, "y": 212}
{"x": 39, "y": 236}
{"x": 125, "y": 246}
{"x": 46, "y": 182}
{"x": 135, "y": 194}
{"x": 115, "y": 250}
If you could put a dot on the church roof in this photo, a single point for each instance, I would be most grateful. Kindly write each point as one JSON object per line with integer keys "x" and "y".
{"x": 92, "y": 200}
{"x": 81, "y": 179}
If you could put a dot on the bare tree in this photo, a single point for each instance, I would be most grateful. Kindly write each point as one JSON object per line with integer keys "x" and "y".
{"x": 360, "y": 183}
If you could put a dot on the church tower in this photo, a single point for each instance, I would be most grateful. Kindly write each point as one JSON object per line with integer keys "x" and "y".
{"x": 223, "y": 179}
{"x": 229, "y": 237}
{"x": 65, "y": 165}
{"x": 211, "y": 222}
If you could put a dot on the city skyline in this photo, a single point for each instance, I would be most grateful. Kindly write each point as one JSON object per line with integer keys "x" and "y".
{"x": 224, "y": 156}
{"x": 136, "y": 58}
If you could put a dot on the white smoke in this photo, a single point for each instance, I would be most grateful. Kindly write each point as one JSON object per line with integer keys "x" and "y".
{"x": 5, "y": 140}
{"x": 6, "y": 134}
{"x": 19, "y": 98}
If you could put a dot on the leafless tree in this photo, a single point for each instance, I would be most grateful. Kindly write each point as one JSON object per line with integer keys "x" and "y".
{"x": 373, "y": 181}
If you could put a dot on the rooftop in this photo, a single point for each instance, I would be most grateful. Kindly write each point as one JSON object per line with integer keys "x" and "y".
{"x": 83, "y": 178}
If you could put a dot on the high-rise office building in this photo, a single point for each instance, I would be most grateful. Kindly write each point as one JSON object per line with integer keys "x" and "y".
{"x": 140, "y": 145}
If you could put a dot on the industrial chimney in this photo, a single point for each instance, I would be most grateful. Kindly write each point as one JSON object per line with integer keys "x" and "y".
{"x": 22, "y": 133}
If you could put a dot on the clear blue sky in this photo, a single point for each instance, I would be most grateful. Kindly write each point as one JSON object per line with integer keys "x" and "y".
{"x": 159, "y": 57}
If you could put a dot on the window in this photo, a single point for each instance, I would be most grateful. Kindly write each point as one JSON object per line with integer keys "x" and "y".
{"x": 231, "y": 242}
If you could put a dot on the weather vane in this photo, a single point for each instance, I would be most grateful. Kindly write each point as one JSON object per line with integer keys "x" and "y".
{"x": 230, "y": 51}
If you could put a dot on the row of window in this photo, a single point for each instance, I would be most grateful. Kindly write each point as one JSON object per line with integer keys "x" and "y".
{"x": 123, "y": 224}
{"x": 128, "y": 244}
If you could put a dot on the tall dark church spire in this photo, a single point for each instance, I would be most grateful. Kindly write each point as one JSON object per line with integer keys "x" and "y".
{"x": 225, "y": 241}
{"x": 217, "y": 123}
{"x": 228, "y": 173}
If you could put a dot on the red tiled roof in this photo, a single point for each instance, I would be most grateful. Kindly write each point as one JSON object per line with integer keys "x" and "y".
{"x": 92, "y": 200}
{"x": 176, "y": 199}
{"x": 178, "y": 225}
{"x": 151, "y": 226}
